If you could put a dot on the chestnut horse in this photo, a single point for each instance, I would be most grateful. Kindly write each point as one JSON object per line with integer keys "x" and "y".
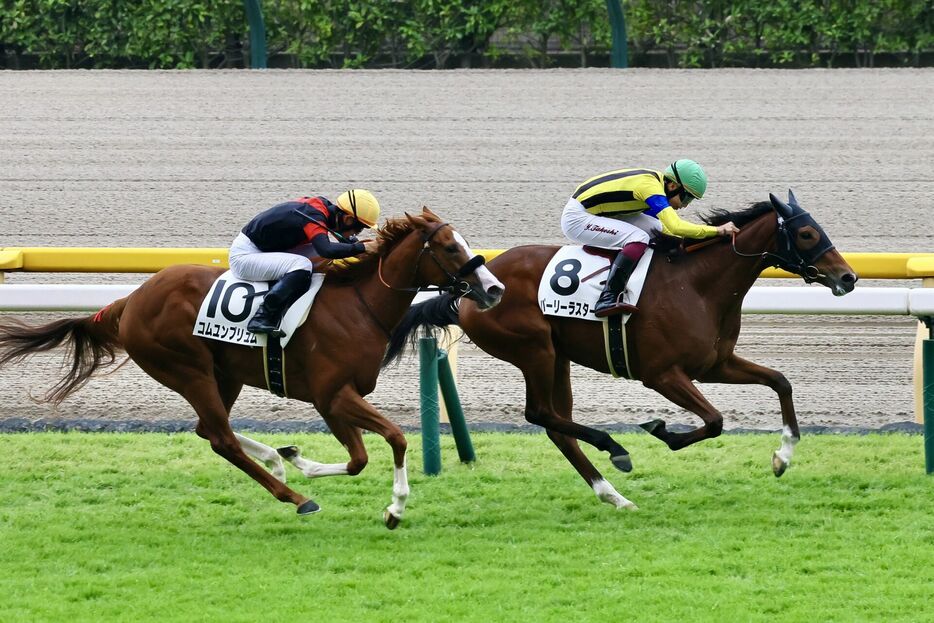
{"x": 333, "y": 359}
{"x": 686, "y": 328}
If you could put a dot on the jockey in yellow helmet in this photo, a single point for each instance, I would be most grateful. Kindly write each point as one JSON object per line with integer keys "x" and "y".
{"x": 275, "y": 246}
{"x": 620, "y": 209}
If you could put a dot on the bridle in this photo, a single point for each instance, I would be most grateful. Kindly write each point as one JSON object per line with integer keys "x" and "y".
{"x": 456, "y": 285}
{"x": 788, "y": 257}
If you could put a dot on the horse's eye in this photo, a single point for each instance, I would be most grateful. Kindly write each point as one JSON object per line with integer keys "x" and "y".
{"x": 807, "y": 235}
{"x": 452, "y": 248}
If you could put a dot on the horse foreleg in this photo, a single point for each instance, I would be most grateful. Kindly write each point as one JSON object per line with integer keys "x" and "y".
{"x": 677, "y": 387}
{"x": 267, "y": 455}
{"x": 348, "y": 436}
{"x": 350, "y": 408}
{"x": 309, "y": 468}
{"x": 563, "y": 403}
{"x": 737, "y": 370}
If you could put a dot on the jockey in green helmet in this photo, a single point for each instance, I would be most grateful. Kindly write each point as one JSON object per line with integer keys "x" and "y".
{"x": 620, "y": 209}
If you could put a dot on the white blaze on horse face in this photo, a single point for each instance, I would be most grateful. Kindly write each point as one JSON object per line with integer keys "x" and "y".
{"x": 487, "y": 279}
{"x": 606, "y": 493}
{"x": 400, "y": 490}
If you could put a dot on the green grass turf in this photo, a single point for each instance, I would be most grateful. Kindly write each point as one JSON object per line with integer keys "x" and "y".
{"x": 156, "y": 527}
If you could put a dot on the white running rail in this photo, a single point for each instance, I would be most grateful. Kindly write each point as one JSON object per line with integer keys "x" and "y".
{"x": 759, "y": 300}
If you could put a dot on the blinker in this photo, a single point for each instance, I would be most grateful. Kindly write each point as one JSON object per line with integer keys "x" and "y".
{"x": 472, "y": 264}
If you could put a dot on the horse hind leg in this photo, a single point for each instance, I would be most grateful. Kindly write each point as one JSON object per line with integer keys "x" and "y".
{"x": 539, "y": 409}
{"x": 256, "y": 450}
{"x": 215, "y": 427}
{"x": 571, "y": 450}
{"x": 204, "y": 394}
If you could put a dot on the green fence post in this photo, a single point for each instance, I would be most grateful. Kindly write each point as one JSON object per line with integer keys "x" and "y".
{"x": 619, "y": 57}
{"x": 927, "y": 359}
{"x": 455, "y": 412}
{"x": 254, "y": 16}
{"x": 430, "y": 411}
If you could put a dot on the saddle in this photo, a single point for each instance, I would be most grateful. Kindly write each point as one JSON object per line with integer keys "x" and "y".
{"x": 227, "y": 308}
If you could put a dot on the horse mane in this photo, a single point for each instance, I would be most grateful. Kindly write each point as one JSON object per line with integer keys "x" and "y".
{"x": 739, "y": 217}
{"x": 674, "y": 246}
{"x": 351, "y": 269}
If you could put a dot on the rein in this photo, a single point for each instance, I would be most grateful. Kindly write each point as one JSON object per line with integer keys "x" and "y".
{"x": 796, "y": 263}
{"x": 456, "y": 281}
{"x": 373, "y": 316}
{"x": 456, "y": 285}
{"x": 697, "y": 246}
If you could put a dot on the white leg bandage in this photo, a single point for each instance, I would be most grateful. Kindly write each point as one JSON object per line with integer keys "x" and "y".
{"x": 264, "y": 454}
{"x": 606, "y": 493}
{"x": 400, "y": 490}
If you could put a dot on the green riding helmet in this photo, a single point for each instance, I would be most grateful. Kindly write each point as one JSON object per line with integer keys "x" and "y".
{"x": 688, "y": 174}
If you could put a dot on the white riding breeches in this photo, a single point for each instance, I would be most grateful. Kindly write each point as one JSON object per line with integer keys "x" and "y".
{"x": 248, "y": 262}
{"x": 607, "y": 233}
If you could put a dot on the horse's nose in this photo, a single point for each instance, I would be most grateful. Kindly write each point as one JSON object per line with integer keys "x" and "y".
{"x": 496, "y": 291}
{"x": 848, "y": 281}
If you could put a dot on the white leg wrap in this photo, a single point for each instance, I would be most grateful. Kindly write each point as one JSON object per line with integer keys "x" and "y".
{"x": 400, "y": 489}
{"x": 264, "y": 454}
{"x": 606, "y": 493}
{"x": 312, "y": 469}
{"x": 788, "y": 446}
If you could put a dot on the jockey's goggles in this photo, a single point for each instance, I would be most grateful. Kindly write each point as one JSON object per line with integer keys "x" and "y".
{"x": 685, "y": 196}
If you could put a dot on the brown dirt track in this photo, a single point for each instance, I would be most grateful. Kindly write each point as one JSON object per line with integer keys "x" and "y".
{"x": 183, "y": 159}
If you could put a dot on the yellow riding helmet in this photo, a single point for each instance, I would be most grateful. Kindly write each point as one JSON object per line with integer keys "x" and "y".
{"x": 360, "y": 204}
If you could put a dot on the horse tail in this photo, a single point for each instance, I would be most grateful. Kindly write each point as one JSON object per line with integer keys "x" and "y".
{"x": 90, "y": 343}
{"x": 439, "y": 311}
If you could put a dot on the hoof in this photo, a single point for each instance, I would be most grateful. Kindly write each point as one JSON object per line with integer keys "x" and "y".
{"x": 628, "y": 506}
{"x": 653, "y": 427}
{"x": 391, "y": 521}
{"x": 308, "y": 507}
{"x": 622, "y": 462}
{"x": 778, "y": 465}
{"x": 288, "y": 452}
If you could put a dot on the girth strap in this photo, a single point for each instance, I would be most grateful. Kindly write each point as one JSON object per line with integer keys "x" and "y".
{"x": 617, "y": 351}
{"x": 274, "y": 366}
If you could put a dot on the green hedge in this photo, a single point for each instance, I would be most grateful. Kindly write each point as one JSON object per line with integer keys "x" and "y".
{"x": 446, "y": 33}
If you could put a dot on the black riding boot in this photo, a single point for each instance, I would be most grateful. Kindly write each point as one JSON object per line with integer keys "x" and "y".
{"x": 611, "y": 299}
{"x": 282, "y": 294}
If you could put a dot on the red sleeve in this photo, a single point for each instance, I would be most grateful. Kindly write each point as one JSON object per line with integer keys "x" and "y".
{"x": 314, "y": 229}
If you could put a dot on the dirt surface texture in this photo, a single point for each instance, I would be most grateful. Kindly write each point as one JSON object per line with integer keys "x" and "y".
{"x": 184, "y": 159}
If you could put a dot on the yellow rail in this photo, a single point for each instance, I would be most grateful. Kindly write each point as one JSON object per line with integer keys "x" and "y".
{"x": 142, "y": 260}
{"x": 102, "y": 260}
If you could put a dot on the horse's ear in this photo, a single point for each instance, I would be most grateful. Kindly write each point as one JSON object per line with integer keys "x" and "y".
{"x": 781, "y": 207}
{"x": 417, "y": 221}
{"x": 429, "y": 214}
{"x": 792, "y": 200}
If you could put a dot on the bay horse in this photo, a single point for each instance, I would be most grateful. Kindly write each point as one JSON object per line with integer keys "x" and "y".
{"x": 333, "y": 359}
{"x": 686, "y": 329}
